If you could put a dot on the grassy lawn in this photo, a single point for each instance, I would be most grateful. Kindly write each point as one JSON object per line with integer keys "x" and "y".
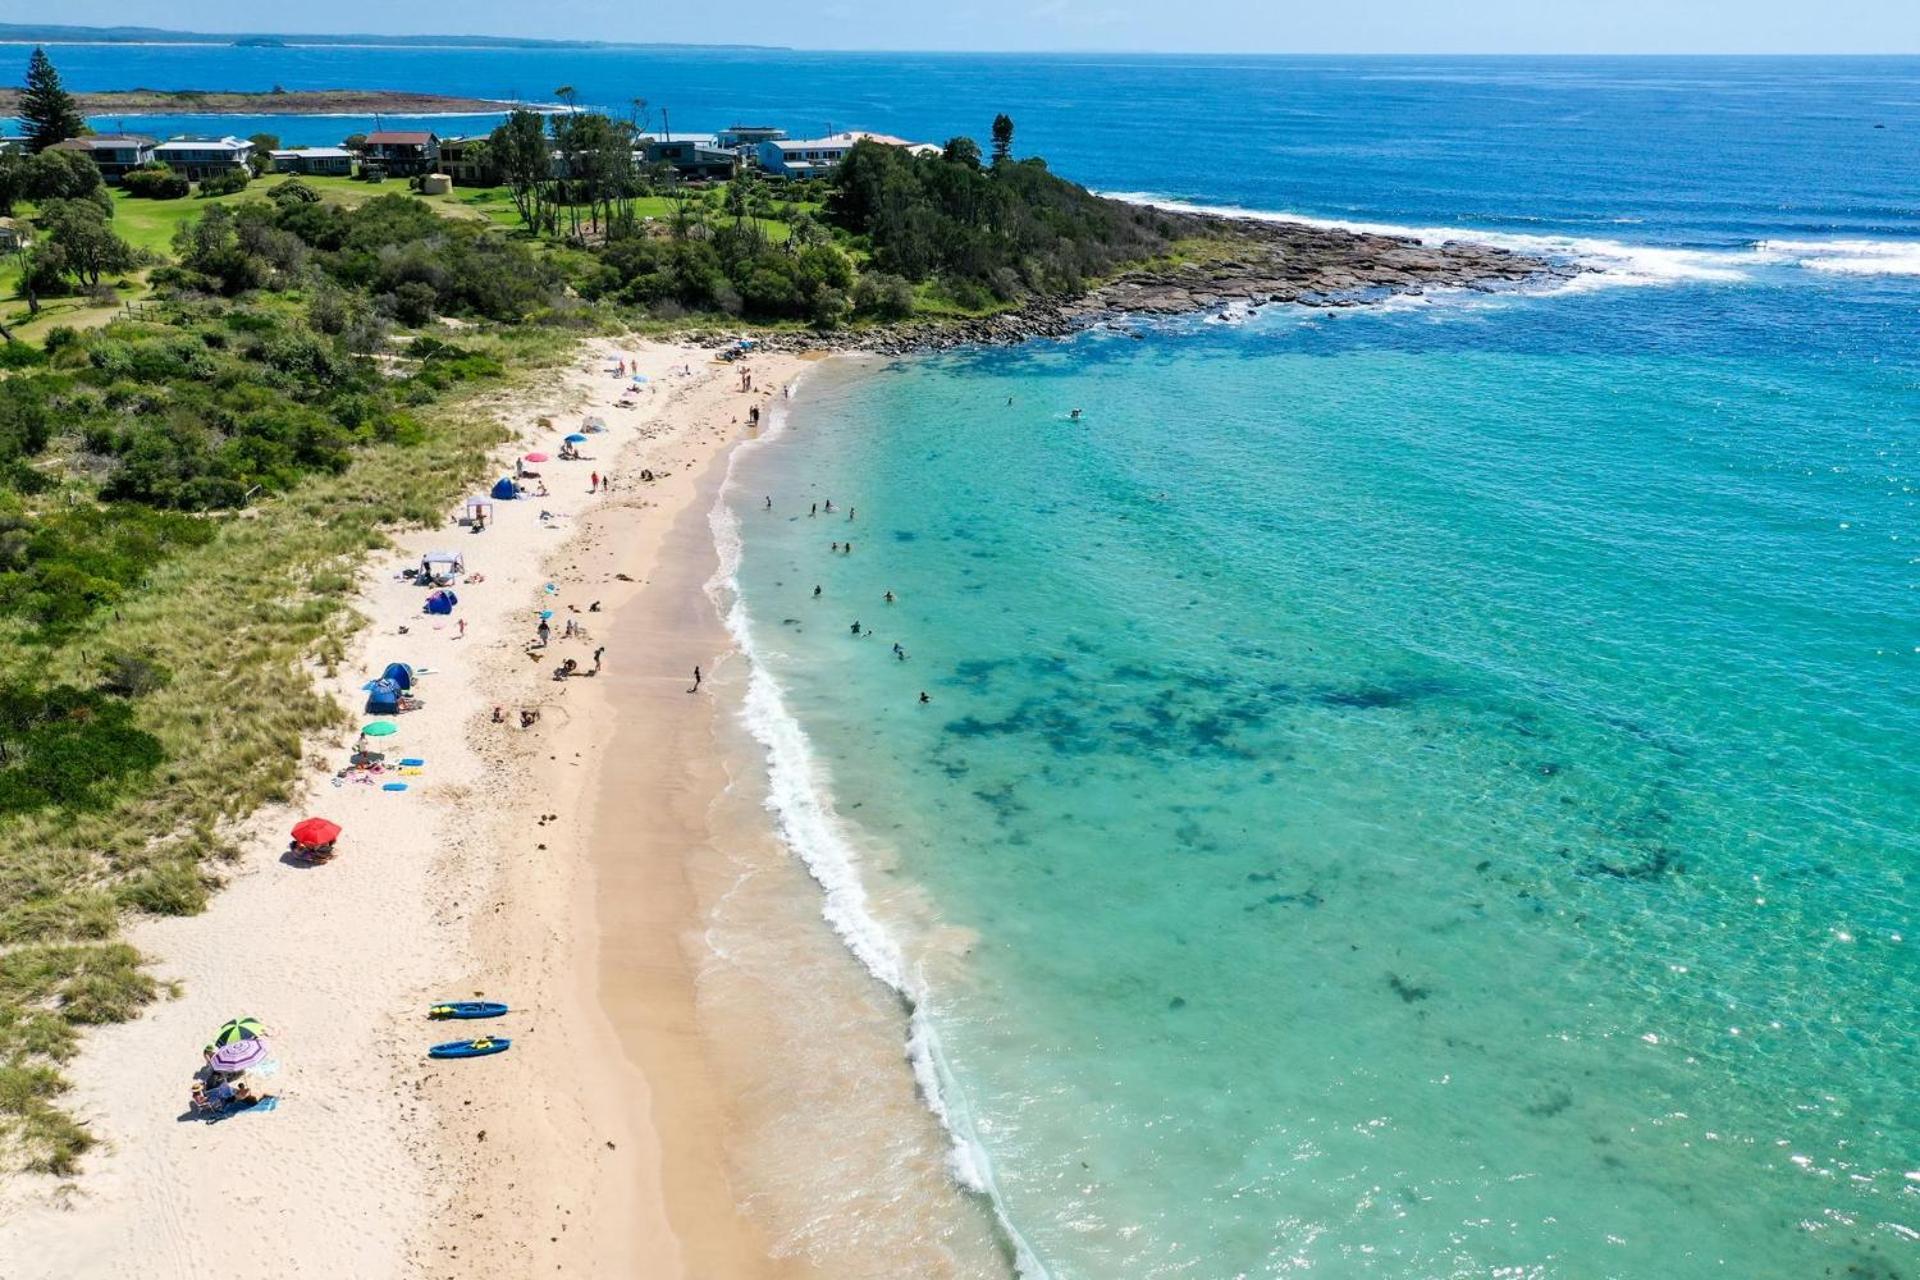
{"x": 150, "y": 225}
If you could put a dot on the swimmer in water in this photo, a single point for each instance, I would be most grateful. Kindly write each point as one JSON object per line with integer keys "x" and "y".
{"x": 1075, "y": 415}
{"x": 816, "y": 591}
{"x": 856, "y": 628}
{"x": 924, "y": 698}
{"x": 888, "y": 597}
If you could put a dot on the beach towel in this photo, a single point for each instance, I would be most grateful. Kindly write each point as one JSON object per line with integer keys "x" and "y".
{"x": 394, "y": 786}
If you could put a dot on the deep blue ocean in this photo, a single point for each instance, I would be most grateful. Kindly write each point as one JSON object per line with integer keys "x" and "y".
{"x": 1421, "y": 791}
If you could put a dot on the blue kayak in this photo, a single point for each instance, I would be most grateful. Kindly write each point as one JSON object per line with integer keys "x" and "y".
{"x": 466, "y": 1009}
{"x": 469, "y": 1048}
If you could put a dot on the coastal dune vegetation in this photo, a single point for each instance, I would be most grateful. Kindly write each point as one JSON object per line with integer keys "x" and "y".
{"x": 213, "y": 402}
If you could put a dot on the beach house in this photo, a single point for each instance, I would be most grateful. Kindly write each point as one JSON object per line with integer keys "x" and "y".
{"x": 13, "y": 235}
{"x": 402, "y": 152}
{"x": 113, "y": 153}
{"x": 746, "y": 138}
{"x": 466, "y": 163}
{"x": 691, "y": 155}
{"x": 197, "y": 158}
{"x": 816, "y": 157}
{"x": 326, "y": 162}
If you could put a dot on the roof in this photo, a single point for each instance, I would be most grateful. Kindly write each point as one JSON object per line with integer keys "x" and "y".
{"x": 93, "y": 140}
{"x": 189, "y": 142}
{"x": 314, "y": 153}
{"x": 400, "y": 138}
{"x": 840, "y": 140}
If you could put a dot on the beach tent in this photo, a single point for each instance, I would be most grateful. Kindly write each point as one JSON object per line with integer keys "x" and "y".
{"x": 442, "y": 564}
{"x": 383, "y": 696}
{"x": 399, "y": 673}
{"x": 505, "y": 489}
{"x": 479, "y": 510}
{"x": 441, "y": 601}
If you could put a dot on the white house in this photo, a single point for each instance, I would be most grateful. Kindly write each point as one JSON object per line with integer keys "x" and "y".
{"x": 816, "y": 157}
{"x": 203, "y": 157}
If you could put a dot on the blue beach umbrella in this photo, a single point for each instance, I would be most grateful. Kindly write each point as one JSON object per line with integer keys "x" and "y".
{"x": 576, "y": 438}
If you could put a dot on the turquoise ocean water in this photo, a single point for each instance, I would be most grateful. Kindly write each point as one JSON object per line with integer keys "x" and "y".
{"x": 1423, "y": 791}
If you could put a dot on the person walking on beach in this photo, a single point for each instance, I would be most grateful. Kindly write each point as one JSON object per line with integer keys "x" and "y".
{"x": 594, "y": 487}
{"x": 463, "y": 630}
{"x": 596, "y": 658}
{"x": 696, "y": 681}
{"x": 544, "y": 631}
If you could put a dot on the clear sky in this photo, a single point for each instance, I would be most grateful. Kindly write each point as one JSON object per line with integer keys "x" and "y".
{"x": 1241, "y": 26}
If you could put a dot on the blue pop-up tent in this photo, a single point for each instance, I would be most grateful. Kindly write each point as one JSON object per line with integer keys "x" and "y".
{"x": 399, "y": 673}
{"x": 384, "y": 696}
{"x": 441, "y": 601}
{"x": 505, "y": 489}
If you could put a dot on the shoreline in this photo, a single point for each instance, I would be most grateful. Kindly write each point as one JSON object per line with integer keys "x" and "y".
{"x": 1253, "y": 263}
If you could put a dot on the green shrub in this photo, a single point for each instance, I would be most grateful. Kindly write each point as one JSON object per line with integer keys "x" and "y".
{"x": 225, "y": 183}
{"x": 155, "y": 182}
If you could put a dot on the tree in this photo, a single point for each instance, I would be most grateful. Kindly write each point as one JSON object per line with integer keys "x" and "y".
{"x": 1002, "y": 138}
{"x": 47, "y": 111}
{"x": 966, "y": 151}
{"x": 264, "y": 145}
{"x": 519, "y": 149}
{"x": 88, "y": 247}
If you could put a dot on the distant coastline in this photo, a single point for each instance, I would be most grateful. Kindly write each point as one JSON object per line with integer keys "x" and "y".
{"x": 45, "y": 33}
{"x": 314, "y": 102}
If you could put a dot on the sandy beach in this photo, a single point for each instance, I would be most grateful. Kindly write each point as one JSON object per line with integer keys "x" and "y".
{"x": 568, "y": 868}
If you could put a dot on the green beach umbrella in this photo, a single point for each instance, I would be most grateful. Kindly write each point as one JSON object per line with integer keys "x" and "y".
{"x": 381, "y": 729}
{"x": 235, "y": 1030}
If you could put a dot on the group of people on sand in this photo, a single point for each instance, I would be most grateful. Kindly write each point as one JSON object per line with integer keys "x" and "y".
{"x": 217, "y": 1091}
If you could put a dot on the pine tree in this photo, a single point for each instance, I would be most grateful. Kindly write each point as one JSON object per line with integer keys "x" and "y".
{"x": 47, "y": 112}
{"x": 1002, "y": 138}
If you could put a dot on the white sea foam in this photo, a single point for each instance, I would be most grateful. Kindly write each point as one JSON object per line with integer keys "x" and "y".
{"x": 1849, "y": 257}
{"x": 800, "y": 798}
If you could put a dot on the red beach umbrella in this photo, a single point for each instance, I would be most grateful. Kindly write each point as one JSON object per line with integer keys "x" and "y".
{"x": 536, "y": 457}
{"x": 316, "y": 831}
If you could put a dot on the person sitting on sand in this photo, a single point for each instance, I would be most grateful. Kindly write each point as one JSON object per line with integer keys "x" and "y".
{"x": 528, "y": 718}
{"x": 565, "y": 669}
{"x": 499, "y": 715}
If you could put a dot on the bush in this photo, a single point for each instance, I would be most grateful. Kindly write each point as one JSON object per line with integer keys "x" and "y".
{"x": 225, "y": 183}
{"x": 155, "y": 182}
{"x": 412, "y": 303}
{"x": 882, "y": 296}
{"x": 293, "y": 191}
{"x": 20, "y": 355}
